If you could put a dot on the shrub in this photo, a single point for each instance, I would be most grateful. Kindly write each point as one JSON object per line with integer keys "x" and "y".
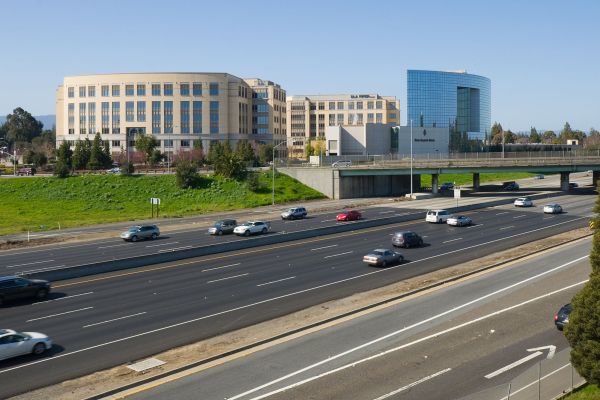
{"x": 253, "y": 183}
{"x": 127, "y": 168}
{"x": 61, "y": 170}
{"x": 185, "y": 174}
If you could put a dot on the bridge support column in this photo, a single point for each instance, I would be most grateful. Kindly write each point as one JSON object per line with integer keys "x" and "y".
{"x": 435, "y": 183}
{"x": 564, "y": 181}
{"x": 475, "y": 181}
{"x": 595, "y": 179}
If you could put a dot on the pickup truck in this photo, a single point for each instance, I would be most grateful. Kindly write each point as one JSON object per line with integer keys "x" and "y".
{"x": 251, "y": 228}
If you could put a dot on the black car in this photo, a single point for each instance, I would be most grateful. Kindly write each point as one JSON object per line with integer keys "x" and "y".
{"x": 573, "y": 185}
{"x": 561, "y": 318}
{"x": 510, "y": 186}
{"x": 15, "y": 287}
{"x": 223, "y": 226}
{"x": 406, "y": 239}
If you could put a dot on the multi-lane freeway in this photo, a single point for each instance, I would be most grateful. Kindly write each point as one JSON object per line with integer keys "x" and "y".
{"x": 106, "y": 320}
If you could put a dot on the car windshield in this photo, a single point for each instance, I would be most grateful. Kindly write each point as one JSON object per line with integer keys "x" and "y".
{"x": 377, "y": 253}
{"x": 247, "y": 224}
{"x": 134, "y": 229}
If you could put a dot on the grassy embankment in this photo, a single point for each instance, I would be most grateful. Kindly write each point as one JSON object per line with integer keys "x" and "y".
{"x": 467, "y": 179}
{"x": 588, "y": 392}
{"x": 42, "y": 203}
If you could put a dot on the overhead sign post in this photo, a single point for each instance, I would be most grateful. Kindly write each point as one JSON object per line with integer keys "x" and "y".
{"x": 153, "y": 201}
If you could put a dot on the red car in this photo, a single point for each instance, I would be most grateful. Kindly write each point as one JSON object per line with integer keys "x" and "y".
{"x": 351, "y": 215}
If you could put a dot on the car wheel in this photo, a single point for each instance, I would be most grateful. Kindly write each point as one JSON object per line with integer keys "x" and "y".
{"x": 420, "y": 242}
{"x": 384, "y": 264}
{"x": 134, "y": 238}
{"x": 219, "y": 233}
{"x": 38, "y": 349}
{"x": 246, "y": 233}
{"x": 400, "y": 260}
{"x": 264, "y": 230}
{"x": 154, "y": 236}
{"x": 41, "y": 294}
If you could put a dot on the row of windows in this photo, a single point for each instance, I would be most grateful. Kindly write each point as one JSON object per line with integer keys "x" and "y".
{"x": 157, "y": 89}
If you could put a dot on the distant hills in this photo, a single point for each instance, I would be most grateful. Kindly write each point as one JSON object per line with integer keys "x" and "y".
{"x": 48, "y": 120}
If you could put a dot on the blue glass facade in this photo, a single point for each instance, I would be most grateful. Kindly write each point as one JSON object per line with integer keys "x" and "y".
{"x": 450, "y": 99}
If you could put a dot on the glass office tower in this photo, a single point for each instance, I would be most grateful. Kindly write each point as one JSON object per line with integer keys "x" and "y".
{"x": 455, "y": 100}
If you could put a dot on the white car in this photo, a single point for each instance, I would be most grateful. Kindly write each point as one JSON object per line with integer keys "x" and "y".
{"x": 523, "y": 202}
{"x": 459, "y": 220}
{"x": 341, "y": 163}
{"x": 552, "y": 209}
{"x": 13, "y": 343}
{"x": 437, "y": 216}
{"x": 252, "y": 227}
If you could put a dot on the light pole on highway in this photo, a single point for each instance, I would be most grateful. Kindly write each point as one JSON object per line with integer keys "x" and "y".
{"x": 411, "y": 160}
{"x": 273, "y": 161}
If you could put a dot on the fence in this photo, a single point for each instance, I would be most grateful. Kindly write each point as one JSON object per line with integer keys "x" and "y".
{"x": 549, "y": 379}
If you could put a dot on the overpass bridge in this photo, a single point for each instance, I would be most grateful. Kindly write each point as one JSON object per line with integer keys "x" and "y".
{"x": 391, "y": 177}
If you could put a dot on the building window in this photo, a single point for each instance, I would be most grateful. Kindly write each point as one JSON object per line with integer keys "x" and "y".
{"x": 379, "y": 105}
{"x": 340, "y": 119}
{"x": 350, "y": 105}
{"x": 332, "y": 105}
{"x": 369, "y": 105}
{"x": 116, "y": 117}
{"x": 104, "y": 90}
{"x": 359, "y": 119}
{"x": 71, "y": 118}
{"x": 156, "y": 117}
{"x": 116, "y": 143}
{"x": 82, "y": 119}
{"x": 129, "y": 90}
{"x": 92, "y": 117}
{"x": 129, "y": 111}
{"x": 359, "y": 105}
{"x": 262, "y": 120}
{"x": 91, "y": 91}
{"x": 197, "y": 117}
{"x": 168, "y": 113}
{"x": 105, "y": 119}
{"x": 214, "y": 117}
{"x": 213, "y": 89}
{"x": 379, "y": 118}
{"x": 392, "y": 115}
{"x": 197, "y": 89}
{"x": 184, "y": 89}
{"x": 331, "y": 119}
{"x": 263, "y": 131}
{"x": 340, "y": 105}
{"x": 262, "y": 108}
{"x": 141, "y": 111}
{"x": 185, "y": 117}
{"x": 260, "y": 94}
{"x": 185, "y": 143}
{"x": 321, "y": 105}
{"x": 350, "y": 119}
{"x": 116, "y": 90}
{"x": 370, "y": 118}
{"x": 82, "y": 91}
{"x": 141, "y": 89}
{"x": 71, "y": 92}
{"x": 168, "y": 142}
{"x": 168, "y": 89}
{"x": 156, "y": 89}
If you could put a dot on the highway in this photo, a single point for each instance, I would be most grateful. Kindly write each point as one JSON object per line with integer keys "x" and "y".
{"x": 106, "y": 320}
{"x": 443, "y": 345}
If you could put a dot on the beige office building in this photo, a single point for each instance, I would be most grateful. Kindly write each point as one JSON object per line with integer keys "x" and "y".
{"x": 176, "y": 108}
{"x": 308, "y": 116}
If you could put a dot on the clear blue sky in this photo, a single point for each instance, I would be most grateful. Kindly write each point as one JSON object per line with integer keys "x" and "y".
{"x": 543, "y": 57}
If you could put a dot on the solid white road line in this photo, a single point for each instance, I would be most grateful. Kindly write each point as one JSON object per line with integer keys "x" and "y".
{"x": 229, "y": 277}
{"x": 425, "y": 379}
{"x": 452, "y": 240}
{"x": 29, "y": 263}
{"x": 276, "y": 298}
{"x": 506, "y": 227}
{"x": 474, "y": 226}
{"x": 224, "y": 266}
{"x": 115, "y": 245}
{"x": 339, "y": 254}
{"x": 519, "y": 216}
{"x": 324, "y": 247}
{"x": 114, "y": 319}
{"x": 62, "y": 298}
{"x": 161, "y": 244}
{"x": 536, "y": 382}
{"x": 62, "y": 313}
{"x": 329, "y": 220}
{"x": 502, "y": 213}
{"x": 396, "y": 333}
{"x": 386, "y": 212}
{"x": 278, "y": 280}
{"x": 174, "y": 249}
{"x": 512, "y": 365}
{"x": 42, "y": 269}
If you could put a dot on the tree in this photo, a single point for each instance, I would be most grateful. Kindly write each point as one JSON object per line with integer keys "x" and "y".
{"x": 245, "y": 152}
{"x": 186, "y": 174}
{"x": 197, "y": 152}
{"x": 21, "y": 127}
{"x": 81, "y": 155}
{"x": 253, "y": 182}
{"x": 583, "y": 329}
{"x": 61, "y": 169}
{"x": 96, "y": 160}
{"x": 309, "y": 150}
{"x": 592, "y": 141}
{"x": 534, "y": 136}
{"x": 127, "y": 168}
{"x": 156, "y": 157}
{"x": 548, "y": 137}
{"x": 107, "y": 155}
{"x": 215, "y": 151}
{"x": 496, "y": 129}
{"x": 146, "y": 144}
{"x": 319, "y": 146}
{"x": 228, "y": 164}
{"x": 265, "y": 153}
{"x": 64, "y": 154}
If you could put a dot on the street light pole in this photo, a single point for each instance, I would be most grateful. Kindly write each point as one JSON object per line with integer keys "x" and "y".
{"x": 411, "y": 159}
{"x": 273, "y": 161}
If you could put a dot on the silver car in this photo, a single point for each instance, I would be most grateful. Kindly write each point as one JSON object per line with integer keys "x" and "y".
{"x": 13, "y": 343}
{"x": 137, "y": 232}
{"x": 459, "y": 220}
{"x": 552, "y": 209}
{"x": 383, "y": 258}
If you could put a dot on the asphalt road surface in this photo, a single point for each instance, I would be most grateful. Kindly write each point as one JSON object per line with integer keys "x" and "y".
{"x": 106, "y": 320}
{"x": 443, "y": 345}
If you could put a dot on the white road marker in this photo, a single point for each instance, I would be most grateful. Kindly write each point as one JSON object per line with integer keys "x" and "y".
{"x": 502, "y": 213}
{"x": 114, "y": 319}
{"x": 229, "y": 277}
{"x": 506, "y": 227}
{"x": 115, "y": 245}
{"x": 339, "y": 254}
{"x": 386, "y": 212}
{"x": 452, "y": 240}
{"x": 174, "y": 249}
{"x": 62, "y": 298}
{"x": 278, "y": 280}
{"x": 513, "y": 365}
{"x": 224, "y": 266}
{"x": 474, "y": 226}
{"x": 551, "y": 350}
{"x": 519, "y": 216}
{"x": 43, "y": 269}
{"x": 59, "y": 314}
{"x": 324, "y": 247}
{"x": 161, "y": 244}
{"x": 425, "y": 379}
{"x": 29, "y": 263}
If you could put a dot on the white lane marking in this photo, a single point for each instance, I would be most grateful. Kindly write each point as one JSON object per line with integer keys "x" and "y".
{"x": 229, "y": 277}
{"x": 114, "y": 319}
{"x": 43, "y": 269}
{"x": 513, "y": 365}
{"x": 403, "y": 346}
{"x": 278, "y": 280}
{"x": 29, "y": 263}
{"x": 452, "y": 240}
{"x": 283, "y": 296}
{"x": 519, "y": 216}
{"x": 115, "y": 245}
{"x": 329, "y": 220}
{"x": 62, "y": 298}
{"x": 161, "y": 244}
{"x": 502, "y": 213}
{"x": 506, "y": 227}
{"x": 386, "y": 212}
{"x": 62, "y": 313}
{"x": 339, "y": 254}
{"x": 536, "y": 382}
{"x": 474, "y": 226}
{"x": 174, "y": 249}
{"x": 224, "y": 266}
{"x": 324, "y": 247}
{"x": 425, "y": 379}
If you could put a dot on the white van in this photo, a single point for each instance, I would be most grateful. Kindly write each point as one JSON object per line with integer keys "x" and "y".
{"x": 437, "y": 216}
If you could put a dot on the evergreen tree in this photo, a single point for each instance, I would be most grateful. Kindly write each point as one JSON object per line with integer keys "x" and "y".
{"x": 96, "y": 159}
{"x": 309, "y": 149}
{"x": 107, "y": 155}
{"x": 534, "y": 136}
{"x": 265, "y": 153}
{"x": 79, "y": 160}
{"x": 65, "y": 154}
{"x": 215, "y": 151}
{"x": 185, "y": 174}
{"x": 549, "y": 137}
